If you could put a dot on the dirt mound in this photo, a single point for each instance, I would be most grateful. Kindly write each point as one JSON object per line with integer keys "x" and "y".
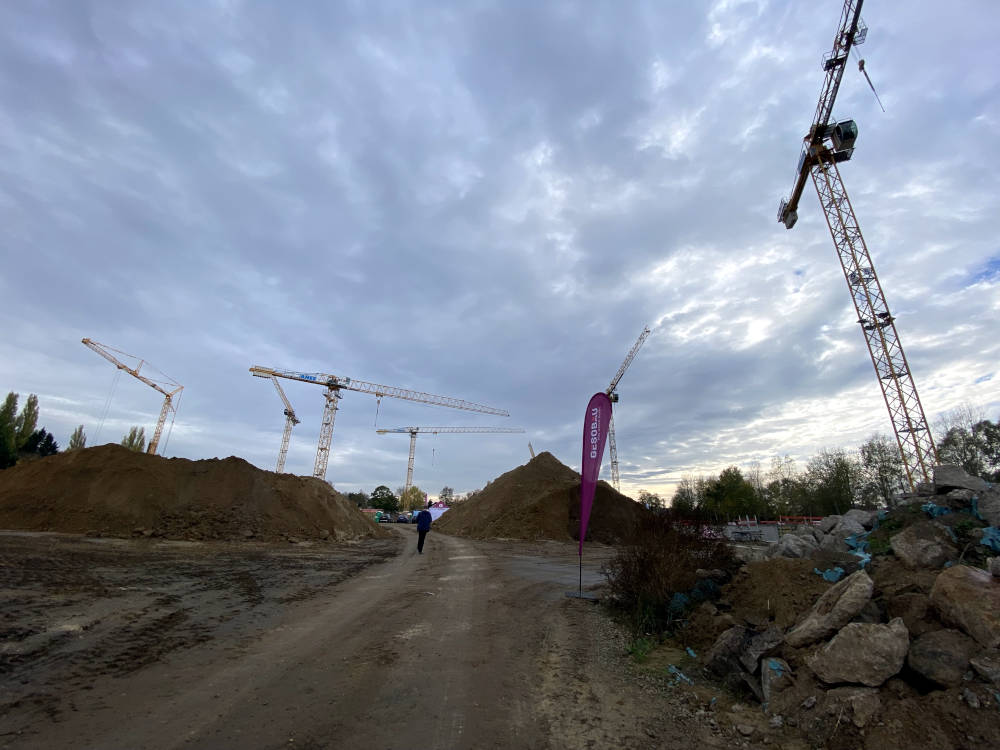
{"x": 541, "y": 500}
{"x": 112, "y": 491}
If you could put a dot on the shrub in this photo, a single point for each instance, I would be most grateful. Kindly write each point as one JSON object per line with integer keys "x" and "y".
{"x": 653, "y": 579}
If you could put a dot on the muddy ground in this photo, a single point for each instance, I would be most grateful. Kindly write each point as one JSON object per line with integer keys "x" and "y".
{"x": 154, "y": 644}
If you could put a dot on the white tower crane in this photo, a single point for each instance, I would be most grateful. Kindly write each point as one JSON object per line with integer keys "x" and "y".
{"x": 167, "y": 386}
{"x": 613, "y": 395}
{"x": 434, "y": 431}
{"x": 290, "y": 421}
{"x": 335, "y": 384}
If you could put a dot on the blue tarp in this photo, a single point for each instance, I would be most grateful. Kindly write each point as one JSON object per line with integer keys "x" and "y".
{"x": 831, "y": 574}
{"x": 934, "y": 510}
{"x": 679, "y": 676}
{"x": 991, "y": 538}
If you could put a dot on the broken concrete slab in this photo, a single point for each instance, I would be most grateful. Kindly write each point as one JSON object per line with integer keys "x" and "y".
{"x": 969, "y": 598}
{"x": 834, "y": 609}
{"x": 988, "y": 502}
{"x": 775, "y": 676}
{"x": 863, "y": 653}
{"x": 987, "y": 665}
{"x": 760, "y": 645}
{"x": 942, "y": 656}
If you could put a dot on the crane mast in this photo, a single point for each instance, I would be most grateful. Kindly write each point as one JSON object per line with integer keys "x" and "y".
{"x": 168, "y": 395}
{"x": 613, "y": 395}
{"x": 434, "y": 431}
{"x": 334, "y": 384}
{"x": 290, "y": 421}
{"x": 824, "y": 148}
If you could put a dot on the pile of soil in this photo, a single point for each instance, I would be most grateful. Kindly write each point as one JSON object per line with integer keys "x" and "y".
{"x": 111, "y": 491}
{"x": 541, "y": 500}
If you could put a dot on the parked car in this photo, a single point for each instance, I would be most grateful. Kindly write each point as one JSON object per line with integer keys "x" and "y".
{"x": 402, "y": 518}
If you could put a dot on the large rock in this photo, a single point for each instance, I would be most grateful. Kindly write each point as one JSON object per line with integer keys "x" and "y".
{"x": 989, "y": 505}
{"x": 923, "y": 545}
{"x": 987, "y": 664}
{"x": 760, "y": 645}
{"x": 724, "y": 656}
{"x": 952, "y": 476}
{"x": 969, "y": 598}
{"x": 863, "y": 653}
{"x": 914, "y": 607}
{"x": 837, "y": 607}
{"x": 865, "y": 517}
{"x": 848, "y": 525}
{"x": 792, "y": 545}
{"x": 942, "y": 656}
{"x": 775, "y": 676}
{"x": 829, "y": 523}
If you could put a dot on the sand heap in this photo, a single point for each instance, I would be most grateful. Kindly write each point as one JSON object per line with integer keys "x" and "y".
{"x": 541, "y": 500}
{"x": 112, "y": 491}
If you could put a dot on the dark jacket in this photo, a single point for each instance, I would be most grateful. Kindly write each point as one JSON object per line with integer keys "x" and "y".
{"x": 424, "y": 519}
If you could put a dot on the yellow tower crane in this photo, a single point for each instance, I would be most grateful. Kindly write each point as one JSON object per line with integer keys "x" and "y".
{"x": 168, "y": 387}
{"x": 612, "y": 392}
{"x": 334, "y": 384}
{"x": 434, "y": 431}
{"x": 827, "y": 144}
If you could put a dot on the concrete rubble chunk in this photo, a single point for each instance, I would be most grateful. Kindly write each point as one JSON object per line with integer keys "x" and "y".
{"x": 863, "y": 653}
{"x": 863, "y": 703}
{"x": 969, "y": 599}
{"x": 760, "y": 645}
{"x": 942, "y": 656}
{"x": 925, "y": 544}
{"x": 834, "y": 609}
{"x": 848, "y": 525}
{"x": 993, "y": 564}
{"x": 953, "y": 476}
{"x": 989, "y": 505}
{"x": 775, "y": 676}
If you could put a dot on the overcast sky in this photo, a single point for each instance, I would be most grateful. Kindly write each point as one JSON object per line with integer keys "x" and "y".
{"x": 488, "y": 201}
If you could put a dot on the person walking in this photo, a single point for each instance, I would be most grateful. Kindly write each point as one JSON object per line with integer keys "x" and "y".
{"x": 424, "y": 520}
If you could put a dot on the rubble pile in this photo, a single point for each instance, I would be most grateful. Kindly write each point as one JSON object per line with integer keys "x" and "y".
{"x": 541, "y": 500}
{"x": 901, "y": 646}
{"x": 109, "y": 490}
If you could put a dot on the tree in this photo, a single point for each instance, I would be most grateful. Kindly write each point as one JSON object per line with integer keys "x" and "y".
{"x": 881, "y": 469}
{"x": 135, "y": 440}
{"x": 685, "y": 500}
{"x": 26, "y": 422}
{"x": 413, "y": 498}
{"x": 834, "y": 481}
{"x": 447, "y": 496}
{"x": 41, "y": 443}
{"x": 732, "y": 496}
{"x": 383, "y": 499}
{"x": 989, "y": 435}
{"x": 77, "y": 440}
{"x": 8, "y": 416}
{"x": 651, "y": 500}
{"x": 962, "y": 443}
{"x": 360, "y": 499}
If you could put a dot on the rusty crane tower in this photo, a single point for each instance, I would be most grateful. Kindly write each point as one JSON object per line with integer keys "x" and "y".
{"x": 827, "y": 144}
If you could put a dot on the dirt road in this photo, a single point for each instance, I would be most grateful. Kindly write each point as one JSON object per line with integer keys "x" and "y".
{"x": 119, "y": 644}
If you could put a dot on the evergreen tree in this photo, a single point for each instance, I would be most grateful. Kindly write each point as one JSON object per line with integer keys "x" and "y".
{"x": 135, "y": 440}
{"x": 26, "y": 422}
{"x": 8, "y": 416}
{"x": 77, "y": 440}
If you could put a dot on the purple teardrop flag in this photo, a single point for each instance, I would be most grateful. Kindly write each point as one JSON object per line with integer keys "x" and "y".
{"x": 595, "y": 435}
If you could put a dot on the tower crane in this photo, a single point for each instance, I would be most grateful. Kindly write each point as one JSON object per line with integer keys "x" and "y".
{"x": 168, "y": 387}
{"x": 613, "y": 395}
{"x": 334, "y": 384}
{"x": 827, "y": 144}
{"x": 434, "y": 431}
{"x": 290, "y": 421}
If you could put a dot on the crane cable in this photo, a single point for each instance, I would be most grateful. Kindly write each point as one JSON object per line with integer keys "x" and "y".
{"x": 107, "y": 403}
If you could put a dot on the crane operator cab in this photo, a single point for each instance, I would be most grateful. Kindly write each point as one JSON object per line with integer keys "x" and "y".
{"x": 844, "y": 135}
